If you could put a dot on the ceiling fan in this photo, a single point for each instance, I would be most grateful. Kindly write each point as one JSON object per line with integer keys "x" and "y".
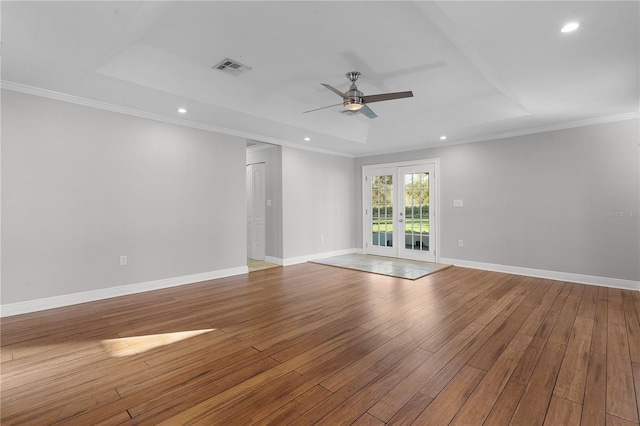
{"x": 354, "y": 100}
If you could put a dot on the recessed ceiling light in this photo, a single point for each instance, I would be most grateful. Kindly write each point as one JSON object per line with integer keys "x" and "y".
{"x": 307, "y": 139}
{"x": 182, "y": 110}
{"x": 443, "y": 137}
{"x": 570, "y": 26}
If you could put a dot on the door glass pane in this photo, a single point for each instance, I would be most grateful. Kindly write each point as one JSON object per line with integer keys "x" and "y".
{"x": 416, "y": 202}
{"x": 382, "y": 210}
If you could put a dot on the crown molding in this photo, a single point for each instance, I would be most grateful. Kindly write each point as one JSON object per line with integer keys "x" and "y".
{"x": 91, "y": 103}
{"x": 553, "y": 127}
{"x": 511, "y": 134}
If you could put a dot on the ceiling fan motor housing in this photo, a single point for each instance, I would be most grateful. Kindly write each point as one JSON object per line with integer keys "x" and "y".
{"x": 353, "y": 99}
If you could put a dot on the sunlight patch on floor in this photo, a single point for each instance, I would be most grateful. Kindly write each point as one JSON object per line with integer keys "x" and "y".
{"x": 127, "y": 346}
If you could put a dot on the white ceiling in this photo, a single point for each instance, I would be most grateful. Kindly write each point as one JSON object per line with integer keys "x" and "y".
{"x": 478, "y": 70}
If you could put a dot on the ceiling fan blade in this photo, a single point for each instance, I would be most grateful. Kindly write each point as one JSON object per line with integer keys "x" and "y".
{"x": 368, "y": 112}
{"x": 334, "y": 90}
{"x": 387, "y": 96}
{"x": 311, "y": 110}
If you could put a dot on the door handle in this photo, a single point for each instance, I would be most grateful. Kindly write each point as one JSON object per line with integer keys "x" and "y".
{"x": 400, "y": 220}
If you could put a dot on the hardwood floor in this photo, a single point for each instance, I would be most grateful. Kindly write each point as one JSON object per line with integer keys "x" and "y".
{"x": 312, "y": 344}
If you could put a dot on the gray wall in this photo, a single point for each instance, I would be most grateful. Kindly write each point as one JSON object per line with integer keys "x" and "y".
{"x": 82, "y": 186}
{"x": 318, "y": 191}
{"x": 271, "y": 155}
{"x": 563, "y": 201}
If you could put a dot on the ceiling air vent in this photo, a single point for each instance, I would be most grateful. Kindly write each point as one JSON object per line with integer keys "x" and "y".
{"x": 232, "y": 67}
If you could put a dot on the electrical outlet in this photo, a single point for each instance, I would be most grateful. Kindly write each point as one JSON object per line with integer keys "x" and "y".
{"x": 460, "y": 243}
{"x": 322, "y": 238}
{"x": 123, "y": 260}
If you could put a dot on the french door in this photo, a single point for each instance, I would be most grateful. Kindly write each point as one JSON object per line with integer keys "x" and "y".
{"x": 399, "y": 211}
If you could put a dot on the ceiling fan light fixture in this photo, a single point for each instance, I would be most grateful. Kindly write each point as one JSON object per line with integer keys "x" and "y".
{"x": 353, "y": 99}
{"x": 353, "y": 105}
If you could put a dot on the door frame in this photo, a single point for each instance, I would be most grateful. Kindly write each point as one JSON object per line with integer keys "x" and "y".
{"x": 435, "y": 196}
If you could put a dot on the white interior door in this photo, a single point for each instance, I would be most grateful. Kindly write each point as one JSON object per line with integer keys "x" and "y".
{"x": 399, "y": 211}
{"x": 256, "y": 211}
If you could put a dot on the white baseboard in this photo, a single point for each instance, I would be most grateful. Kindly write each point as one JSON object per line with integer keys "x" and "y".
{"x": 106, "y": 293}
{"x": 302, "y": 259}
{"x": 553, "y": 275}
{"x": 11, "y": 309}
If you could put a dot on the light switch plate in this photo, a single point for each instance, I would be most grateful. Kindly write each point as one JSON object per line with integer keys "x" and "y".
{"x": 458, "y": 203}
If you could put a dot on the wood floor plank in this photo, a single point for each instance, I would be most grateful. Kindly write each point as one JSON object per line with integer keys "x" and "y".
{"x": 356, "y": 405}
{"x": 564, "y": 325}
{"x": 446, "y": 405}
{"x": 411, "y": 410}
{"x": 636, "y": 379}
{"x": 449, "y": 371}
{"x": 614, "y": 295}
{"x": 632, "y": 319}
{"x": 347, "y": 351}
{"x": 565, "y": 289}
{"x": 404, "y": 341}
{"x": 501, "y": 304}
{"x": 533, "y": 405}
{"x": 563, "y": 412}
{"x": 617, "y": 421}
{"x": 229, "y": 359}
{"x": 6, "y": 356}
{"x": 529, "y": 360}
{"x": 506, "y": 405}
{"x": 600, "y": 327}
{"x": 615, "y": 312}
{"x": 367, "y": 420}
{"x": 477, "y": 407}
{"x": 387, "y": 406}
{"x": 587, "y": 307}
{"x": 594, "y": 405}
{"x": 537, "y": 316}
{"x": 295, "y": 408}
{"x": 259, "y": 403}
{"x": 539, "y": 288}
{"x": 621, "y": 400}
{"x": 489, "y": 353}
{"x": 570, "y": 383}
{"x": 308, "y": 344}
{"x": 144, "y": 406}
{"x": 324, "y": 407}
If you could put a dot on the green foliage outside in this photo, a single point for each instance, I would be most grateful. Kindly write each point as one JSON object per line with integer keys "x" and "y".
{"x": 416, "y": 211}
